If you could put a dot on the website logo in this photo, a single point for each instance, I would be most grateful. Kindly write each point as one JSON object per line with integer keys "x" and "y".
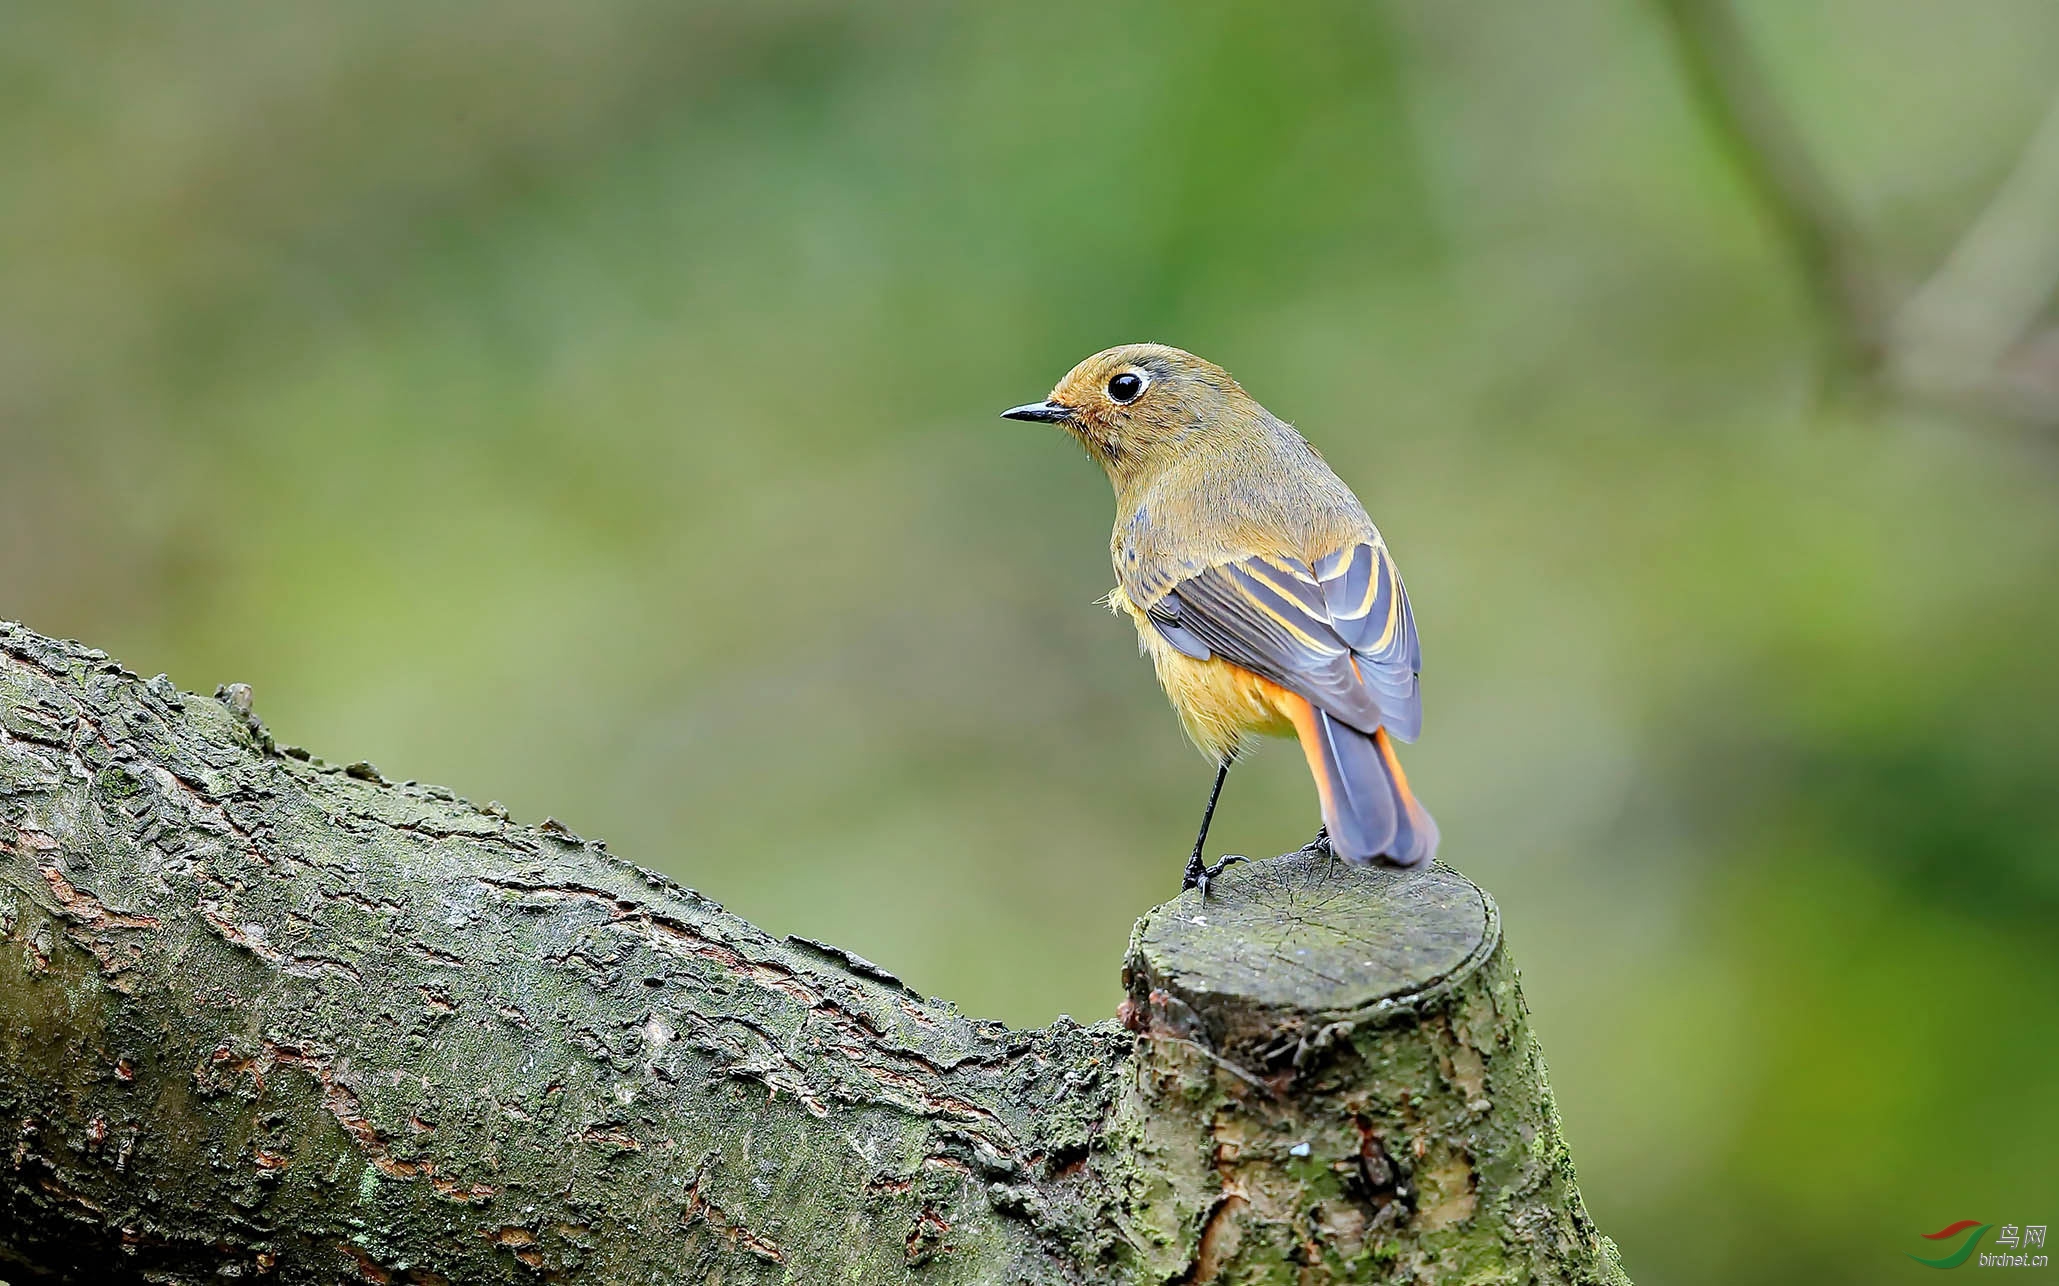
{"x": 2013, "y": 1245}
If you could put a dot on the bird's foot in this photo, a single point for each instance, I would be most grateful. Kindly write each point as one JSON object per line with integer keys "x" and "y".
{"x": 1321, "y": 844}
{"x": 1198, "y": 875}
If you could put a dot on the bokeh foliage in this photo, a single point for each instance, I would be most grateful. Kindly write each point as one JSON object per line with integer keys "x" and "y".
{"x": 593, "y": 406}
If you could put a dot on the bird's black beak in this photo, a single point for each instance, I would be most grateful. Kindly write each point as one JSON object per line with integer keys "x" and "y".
{"x": 1040, "y": 412}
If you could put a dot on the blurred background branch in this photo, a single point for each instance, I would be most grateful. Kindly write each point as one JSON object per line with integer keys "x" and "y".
{"x": 1745, "y": 112}
{"x": 1968, "y": 336}
{"x": 1973, "y": 331}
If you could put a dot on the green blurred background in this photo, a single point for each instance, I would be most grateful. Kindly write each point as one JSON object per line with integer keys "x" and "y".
{"x": 593, "y": 407}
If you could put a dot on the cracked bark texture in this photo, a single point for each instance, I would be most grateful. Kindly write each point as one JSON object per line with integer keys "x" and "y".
{"x": 267, "y": 1019}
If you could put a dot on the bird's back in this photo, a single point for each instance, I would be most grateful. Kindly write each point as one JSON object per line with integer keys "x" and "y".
{"x": 1259, "y": 486}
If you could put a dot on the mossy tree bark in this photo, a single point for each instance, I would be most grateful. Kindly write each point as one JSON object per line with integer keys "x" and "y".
{"x": 267, "y": 1019}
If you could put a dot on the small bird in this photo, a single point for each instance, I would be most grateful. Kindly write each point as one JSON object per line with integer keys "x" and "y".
{"x": 1264, "y": 596}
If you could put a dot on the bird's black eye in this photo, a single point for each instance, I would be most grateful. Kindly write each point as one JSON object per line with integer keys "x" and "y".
{"x": 1126, "y": 387}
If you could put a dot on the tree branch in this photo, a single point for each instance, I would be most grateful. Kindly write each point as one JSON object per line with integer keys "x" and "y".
{"x": 1965, "y": 338}
{"x": 1744, "y": 113}
{"x": 1969, "y": 333}
{"x": 265, "y": 1018}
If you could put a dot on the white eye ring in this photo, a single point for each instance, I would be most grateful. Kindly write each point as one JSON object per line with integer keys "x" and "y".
{"x": 1120, "y": 390}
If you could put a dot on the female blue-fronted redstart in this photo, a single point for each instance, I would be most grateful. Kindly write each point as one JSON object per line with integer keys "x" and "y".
{"x": 1265, "y": 597}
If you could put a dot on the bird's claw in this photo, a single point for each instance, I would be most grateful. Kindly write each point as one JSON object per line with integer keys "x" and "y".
{"x": 1198, "y": 876}
{"x": 1321, "y": 844}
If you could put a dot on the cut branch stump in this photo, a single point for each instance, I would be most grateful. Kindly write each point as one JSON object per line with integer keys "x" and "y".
{"x": 270, "y": 1020}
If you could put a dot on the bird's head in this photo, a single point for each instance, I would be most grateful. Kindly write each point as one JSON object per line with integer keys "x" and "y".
{"x": 1136, "y": 406}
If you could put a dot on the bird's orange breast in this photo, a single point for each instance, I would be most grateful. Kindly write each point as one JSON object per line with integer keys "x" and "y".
{"x": 1219, "y": 704}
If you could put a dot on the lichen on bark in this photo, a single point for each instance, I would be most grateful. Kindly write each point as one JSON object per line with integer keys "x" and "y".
{"x": 266, "y": 1018}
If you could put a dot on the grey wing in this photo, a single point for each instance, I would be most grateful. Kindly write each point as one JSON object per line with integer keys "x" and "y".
{"x": 1369, "y": 610}
{"x": 1339, "y": 633}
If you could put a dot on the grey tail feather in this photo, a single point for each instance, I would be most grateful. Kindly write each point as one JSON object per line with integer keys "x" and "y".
{"x": 1369, "y": 814}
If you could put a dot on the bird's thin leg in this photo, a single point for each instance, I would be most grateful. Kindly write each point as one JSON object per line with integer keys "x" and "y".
{"x": 1198, "y": 874}
{"x": 1195, "y": 868}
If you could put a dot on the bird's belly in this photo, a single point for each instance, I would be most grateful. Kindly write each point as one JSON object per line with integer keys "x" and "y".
{"x": 1219, "y": 704}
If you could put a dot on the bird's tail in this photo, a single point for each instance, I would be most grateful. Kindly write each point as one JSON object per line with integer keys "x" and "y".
{"x": 1367, "y": 805}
